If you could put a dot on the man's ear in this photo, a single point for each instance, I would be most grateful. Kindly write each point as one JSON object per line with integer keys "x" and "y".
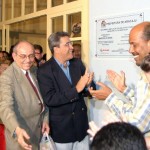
{"x": 149, "y": 44}
{"x": 14, "y": 55}
{"x": 56, "y": 49}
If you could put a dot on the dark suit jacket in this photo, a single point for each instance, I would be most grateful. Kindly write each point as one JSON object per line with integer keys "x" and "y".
{"x": 68, "y": 112}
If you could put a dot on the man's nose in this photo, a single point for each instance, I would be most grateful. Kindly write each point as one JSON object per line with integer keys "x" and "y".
{"x": 28, "y": 59}
{"x": 71, "y": 47}
{"x": 131, "y": 50}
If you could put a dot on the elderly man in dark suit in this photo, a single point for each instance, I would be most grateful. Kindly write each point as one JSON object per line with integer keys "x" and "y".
{"x": 63, "y": 81}
{"x": 21, "y": 106}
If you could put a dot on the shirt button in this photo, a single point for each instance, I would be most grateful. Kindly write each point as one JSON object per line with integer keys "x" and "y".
{"x": 73, "y": 113}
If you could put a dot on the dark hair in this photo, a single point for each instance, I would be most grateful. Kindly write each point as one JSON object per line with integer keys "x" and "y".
{"x": 39, "y": 47}
{"x": 77, "y": 44}
{"x": 145, "y": 65}
{"x": 44, "y": 57}
{"x": 5, "y": 53}
{"x": 10, "y": 53}
{"x": 11, "y": 50}
{"x": 119, "y": 136}
{"x": 146, "y": 32}
{"x": 54, "y": 39}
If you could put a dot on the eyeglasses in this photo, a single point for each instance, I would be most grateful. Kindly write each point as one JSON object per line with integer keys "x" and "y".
{"x": 68, "y": 44}
{"x": 38, "y": 53}
{"x": 23, "y": 56}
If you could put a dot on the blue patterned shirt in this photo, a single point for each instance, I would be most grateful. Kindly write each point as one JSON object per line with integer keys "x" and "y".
{"x": 136, "y": 107}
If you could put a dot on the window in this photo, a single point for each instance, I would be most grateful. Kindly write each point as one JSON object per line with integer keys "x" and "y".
{"x": 8, "y": 9}
{"x": 71, "y": 0}
{"x": 0, "y": 39}
{"x": 56, "y": 2}
{"x": 0, "y": 10}
{"x": 17, "y": 9}
{"x": 29, "y": 6}
{"x": 74, "y": 24}
{"x": 57, "y": 24}
{"x": 41, "y": 4}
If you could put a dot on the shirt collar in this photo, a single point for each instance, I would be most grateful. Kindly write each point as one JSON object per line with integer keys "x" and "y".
{"x": 143, "y": 76}
{"x": 60, "y": 64}
{"x": 24, "y": 71}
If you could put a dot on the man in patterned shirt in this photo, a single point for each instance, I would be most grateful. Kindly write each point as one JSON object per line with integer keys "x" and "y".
{"x": 136, "y": 109}
{"x": 139, "y": 40}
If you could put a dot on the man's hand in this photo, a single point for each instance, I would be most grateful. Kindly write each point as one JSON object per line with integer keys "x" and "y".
{"x": 93, "y": 129}
{"x": 45, "y": 127}
{"x": 84, "y": 81}
{"x": 147, "y": 139}
{"x": 22, "y": 137}
{"x": 102, "y": 93}
{"x": 117, "y": 80}
{"x": 90, "y": 75}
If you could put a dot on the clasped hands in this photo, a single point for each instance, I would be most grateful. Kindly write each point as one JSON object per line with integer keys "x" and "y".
{"x": 85, "y": 80}
{"x": 118, "y": 81}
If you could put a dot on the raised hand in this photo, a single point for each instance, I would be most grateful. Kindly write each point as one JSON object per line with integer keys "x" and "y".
{"x": 90, "y": 75}
{"x": 147, "y": 139}
{"x": 117, "y": 79}
{"x": 83, "y": 82}
{"x": 102, "y": 93}
{"x": 93, "y": 129}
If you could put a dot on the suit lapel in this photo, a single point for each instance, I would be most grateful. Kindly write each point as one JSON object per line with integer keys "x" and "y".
{"x": 23, "y": 82}
{"x": 74, "y": 73}
{"x": 75, "y": 76}
{"x": 37, "y": 86}
{"x": 59, "y": 74}
{"x": 61, "y": 78}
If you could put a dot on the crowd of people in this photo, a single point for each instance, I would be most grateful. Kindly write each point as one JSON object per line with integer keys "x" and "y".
{"x": 38, "y": 96}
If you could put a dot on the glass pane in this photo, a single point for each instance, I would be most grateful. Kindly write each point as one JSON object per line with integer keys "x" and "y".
{"x": 17, "y": 8}
{"x": 71, "y": 0}
{"x": 41, "y": 4}
{"x": 77, "y": 49}
{"x": 74, "y": 24}
{"x": 0, "y": 37}
{"x": 56, "y": 2}
{"x": 0, "y": 10}
{"x": 5, "y": 37}
{"x": 29, "y": 6}
{"x": 8, "y": 9}
{"x": 57, "y": 24}
{"x": 33, "y": 30}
